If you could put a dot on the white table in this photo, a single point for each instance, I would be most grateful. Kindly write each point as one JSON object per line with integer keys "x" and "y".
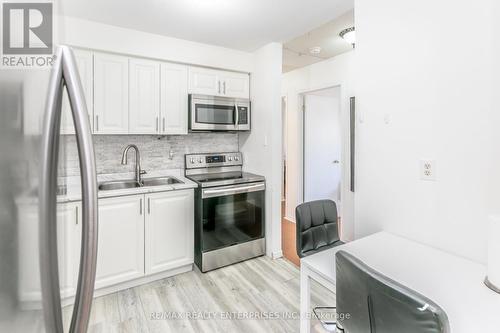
{"x": 454, "y": 283}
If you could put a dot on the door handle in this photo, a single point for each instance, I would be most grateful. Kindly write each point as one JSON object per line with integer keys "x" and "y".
{"x": 163, "y": 124}
{"x": 65, "y": 74}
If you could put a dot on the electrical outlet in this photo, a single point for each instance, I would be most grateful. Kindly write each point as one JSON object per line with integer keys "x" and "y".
{"x": 428, "y": 170}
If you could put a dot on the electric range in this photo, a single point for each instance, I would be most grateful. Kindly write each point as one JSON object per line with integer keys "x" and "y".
{"x": 229, "y": 210}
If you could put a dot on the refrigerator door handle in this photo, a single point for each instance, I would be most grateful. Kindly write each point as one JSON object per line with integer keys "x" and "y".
{"x": 65, "y": 74}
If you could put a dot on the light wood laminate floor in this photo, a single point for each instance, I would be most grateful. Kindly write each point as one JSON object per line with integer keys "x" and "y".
{"x": 257, "y": 287}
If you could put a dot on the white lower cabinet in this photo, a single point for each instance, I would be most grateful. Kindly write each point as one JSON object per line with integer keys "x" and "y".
{"x": 169, "y": 230}
{"x": 68, "y": 250}
{"x": 120, "y": 253}
{"x": 139, "y": 236}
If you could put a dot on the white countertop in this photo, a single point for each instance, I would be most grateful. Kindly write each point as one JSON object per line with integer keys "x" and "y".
{"x": 454, "y": 283}
{"x": 73, "y": 186}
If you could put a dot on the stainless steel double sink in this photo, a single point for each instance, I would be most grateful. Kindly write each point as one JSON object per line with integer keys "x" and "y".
{"x": 131, "y": 183}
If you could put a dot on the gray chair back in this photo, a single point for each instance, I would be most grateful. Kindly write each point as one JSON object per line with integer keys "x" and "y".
{"x": 369, "y": 302}
{"x": 317, "y": 227}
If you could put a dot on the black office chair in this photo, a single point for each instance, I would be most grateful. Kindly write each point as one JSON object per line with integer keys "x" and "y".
{"x": 317, "y": 230}
{"x": 369, "y": 302}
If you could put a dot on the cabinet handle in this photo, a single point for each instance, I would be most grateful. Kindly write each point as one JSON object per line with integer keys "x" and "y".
{"x": 149, "y": 205}
{"x": 96, "y": 122}
{"x": 76, "y": 215}
{"x": 224, "y": 85}
{"x": 140, "y": 206}
{"x": 157, "y": 121}
{"x": 164, "y": 124}
{"x": 219, "y": 87}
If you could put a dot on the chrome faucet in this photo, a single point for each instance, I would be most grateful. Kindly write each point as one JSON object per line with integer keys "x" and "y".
{"x": 138, "y": 171}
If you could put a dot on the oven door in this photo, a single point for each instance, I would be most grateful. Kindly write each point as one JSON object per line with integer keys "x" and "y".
{"x": 232, "y": 215}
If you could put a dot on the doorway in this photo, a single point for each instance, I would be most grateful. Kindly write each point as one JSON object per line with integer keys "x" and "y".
{"x": 322, "y": 146}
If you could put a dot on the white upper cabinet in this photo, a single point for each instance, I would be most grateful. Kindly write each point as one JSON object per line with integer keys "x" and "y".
{"x": 120, "y": 253}
{"x": 204, "y": 81}
{"x": 144, "y": 114}
{"x": 169, "y": 230}
{"x": 235, "y": 84}
{"x": 174, "y": 99}
{"x": 213, "y": 82}
{"x": 111, "y": 94}
{"x": 84, "y": 63}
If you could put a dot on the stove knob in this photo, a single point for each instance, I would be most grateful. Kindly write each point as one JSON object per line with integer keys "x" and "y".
{"x": 236, "y": 158}
{"x": 192, "y": 160}
{"x": 200, "y": 160}
{"x": 230, "y": 158}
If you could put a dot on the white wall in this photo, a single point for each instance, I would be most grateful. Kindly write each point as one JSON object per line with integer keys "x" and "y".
{"x": 262, "y": 146}
{"x": 94, "y": 35}
{"x": 425, "y": 68}
{"x": 322, "y": 146}
{"x": 494, "y": 117}
{"x": 337, "y": 71}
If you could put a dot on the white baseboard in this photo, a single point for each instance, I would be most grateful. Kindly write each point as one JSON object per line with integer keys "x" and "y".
{"x": 32, "y": 301}
{"x": 277, "y": 254}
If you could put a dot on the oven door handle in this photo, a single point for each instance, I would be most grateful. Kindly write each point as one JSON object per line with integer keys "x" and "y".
{"x": 210, "y": 193}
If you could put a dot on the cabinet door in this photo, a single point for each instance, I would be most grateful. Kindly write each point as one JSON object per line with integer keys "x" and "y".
{"x": 68, "y": 250}
{"x": 110, "y": 94}
{"x": 174, "y": 99}
{"x": 235, "y": 85}
{"x": 84, "y": 63}
{"x": 204, "y": 81}
{"x": 144, "y": 97}
{"x": 169, "y": 230}
{"x": 120, "y": 255}
{"x": 70, "y": 237}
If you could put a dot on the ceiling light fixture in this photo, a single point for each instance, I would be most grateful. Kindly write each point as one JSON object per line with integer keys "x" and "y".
{"x": 349, "y": 35}
{"x": 315, "y": 50}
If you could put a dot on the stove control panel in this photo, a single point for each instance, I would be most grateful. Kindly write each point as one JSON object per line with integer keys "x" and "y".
{"x": 213, "y": 160}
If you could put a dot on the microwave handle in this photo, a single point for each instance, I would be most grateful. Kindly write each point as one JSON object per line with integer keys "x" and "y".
{"x": 237, "y": 117}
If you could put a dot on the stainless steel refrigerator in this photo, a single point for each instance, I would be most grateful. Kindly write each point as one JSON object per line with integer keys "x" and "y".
{"x": 31, "y": 158}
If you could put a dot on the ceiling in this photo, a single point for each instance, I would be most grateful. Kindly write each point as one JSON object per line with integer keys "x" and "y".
{"x": 239, "y": 24}
{"x": 296, "y": 51}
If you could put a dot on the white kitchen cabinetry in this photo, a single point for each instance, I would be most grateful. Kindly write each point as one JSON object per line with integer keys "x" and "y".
{"x": 120, "y": 255}
{"x": 204, "y": 81}
{"x": 169, "y": 230}
{"x": 174, "y": 99}
{"x": 218, "y": 83}
{"x": 84, "y": 63}
{"x": 144, "y": 88}
{"x": 68, "y": 250}
{"x": 235, "y": 85}
{"x": 111, "y": 94}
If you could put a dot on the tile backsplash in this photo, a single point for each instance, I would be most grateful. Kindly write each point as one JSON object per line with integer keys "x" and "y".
{"x": 154, "y": 151}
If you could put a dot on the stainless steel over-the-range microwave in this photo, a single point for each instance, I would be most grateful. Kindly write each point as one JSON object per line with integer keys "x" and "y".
{"x": 213, "y": 113}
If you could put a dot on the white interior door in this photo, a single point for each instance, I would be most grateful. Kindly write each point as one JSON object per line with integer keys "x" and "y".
{"x": 322, "y": 146}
